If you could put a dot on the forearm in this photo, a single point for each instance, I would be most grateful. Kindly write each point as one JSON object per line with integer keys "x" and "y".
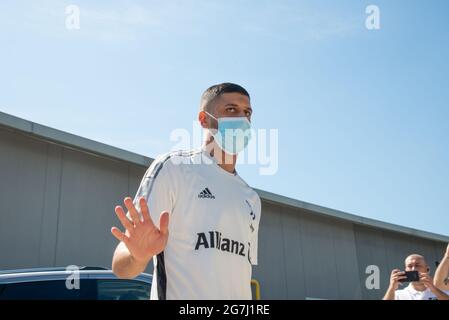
{"x": 440, "y": 294}
{"x": 124, "y": 265}
{"x": 441, "y": 273}
{"x": 389, "y": 295}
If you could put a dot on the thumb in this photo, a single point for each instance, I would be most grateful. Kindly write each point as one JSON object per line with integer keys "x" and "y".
{"x": 163, "y": 222}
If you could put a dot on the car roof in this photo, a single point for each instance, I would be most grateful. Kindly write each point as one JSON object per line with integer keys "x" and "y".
{"x": 59, "y": 273}
{"x": 45, "y": 269}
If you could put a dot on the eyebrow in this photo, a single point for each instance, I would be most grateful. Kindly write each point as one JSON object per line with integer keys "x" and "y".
{"x": 234, "y": 105}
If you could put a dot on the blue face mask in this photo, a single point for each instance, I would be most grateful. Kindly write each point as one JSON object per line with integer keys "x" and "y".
{"x": 233, "y": 133}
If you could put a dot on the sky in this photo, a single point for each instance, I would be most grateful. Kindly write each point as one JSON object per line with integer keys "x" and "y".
{"x": 361, "y": 114}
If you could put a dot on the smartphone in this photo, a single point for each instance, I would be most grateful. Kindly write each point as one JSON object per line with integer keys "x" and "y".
{"x": 412, "y": 276}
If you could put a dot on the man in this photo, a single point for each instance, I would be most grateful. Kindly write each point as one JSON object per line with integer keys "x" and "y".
{"x": 441, "y": 279}
{"x": 193, "y": 213}
{"x": 419, "y": 290}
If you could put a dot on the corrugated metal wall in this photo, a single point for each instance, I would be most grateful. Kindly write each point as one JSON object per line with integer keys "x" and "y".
{"x": 57, "y": 204}
{"x": 57, "y": 209}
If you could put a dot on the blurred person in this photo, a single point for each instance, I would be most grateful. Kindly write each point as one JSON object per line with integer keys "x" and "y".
{"x": 424, "y": 289}
{"x": 441, "y": 279}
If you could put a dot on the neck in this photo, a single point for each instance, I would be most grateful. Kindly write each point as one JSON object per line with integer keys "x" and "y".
{"x": 228, "y": 165}
{"x": 418, "y": 286}
{"x": 225, "y": 161}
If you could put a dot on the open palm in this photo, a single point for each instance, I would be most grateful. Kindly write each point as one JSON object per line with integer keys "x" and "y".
{"x": 142, "y": 238}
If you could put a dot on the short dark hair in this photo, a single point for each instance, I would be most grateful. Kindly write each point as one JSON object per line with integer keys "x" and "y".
{"x": 218, "y": 89}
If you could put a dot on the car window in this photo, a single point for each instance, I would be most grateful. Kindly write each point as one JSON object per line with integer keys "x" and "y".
{"x": 120, "y": 289}
{"x": 42, "y": 290}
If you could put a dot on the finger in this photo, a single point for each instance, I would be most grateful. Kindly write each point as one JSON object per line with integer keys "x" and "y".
{"x": 132, "y": 210}
{"x": 145, "y": 211}
{"x": 163, "y": 222}
{"x": 119, "y": 235}
{"x": 123, "y": 219}
{"x": 424, "y": 280}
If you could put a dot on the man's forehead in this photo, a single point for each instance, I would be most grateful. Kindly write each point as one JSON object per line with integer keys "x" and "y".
{"x": 414, "y": 259}
{"x": 234, "y": 98}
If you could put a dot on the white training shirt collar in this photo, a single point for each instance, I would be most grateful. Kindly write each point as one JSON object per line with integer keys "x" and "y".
{"x": 415, "y": 292}
{"x": 206, "y": 154}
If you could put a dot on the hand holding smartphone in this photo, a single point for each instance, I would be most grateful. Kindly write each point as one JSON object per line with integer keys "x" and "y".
{"x": 412, "y": 276}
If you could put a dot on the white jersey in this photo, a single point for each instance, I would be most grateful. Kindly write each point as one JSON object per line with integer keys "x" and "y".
{"x": 410, "y": 293}
{"x": 213, "y": 227}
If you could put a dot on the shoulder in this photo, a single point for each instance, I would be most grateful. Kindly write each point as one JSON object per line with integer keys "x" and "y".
{"x": 255, "y": 196}
{"x": 257, "y": 200}
{"x": 252, "y": 195}
{"x": 170, "y": 161}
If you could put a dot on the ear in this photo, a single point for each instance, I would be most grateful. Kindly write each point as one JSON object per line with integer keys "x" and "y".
{"x": 202, "y": 118}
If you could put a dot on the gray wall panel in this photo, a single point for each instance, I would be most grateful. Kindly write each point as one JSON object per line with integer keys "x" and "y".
{"x": 23, "y": 167}
{"x": 371, "y": 250}
{"x": 319, "y": 258}
{"x": 50, "y": 208}
{"x": 294, "y": 258}
{"x": 90, "y": 188}
{"x": 346, "y": 263}
{"x": 439, "y": 250}
{"x": 135, "y": 177}
{"x": 271, "y": 269}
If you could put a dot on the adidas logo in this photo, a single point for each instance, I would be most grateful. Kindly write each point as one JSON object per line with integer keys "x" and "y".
{"x": 206, "y": 194}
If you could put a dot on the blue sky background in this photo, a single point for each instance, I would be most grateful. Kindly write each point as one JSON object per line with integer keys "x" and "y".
{"x": 362, "y": 114}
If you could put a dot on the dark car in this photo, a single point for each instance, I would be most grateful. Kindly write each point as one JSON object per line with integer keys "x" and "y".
{"x": 93, "y": 283}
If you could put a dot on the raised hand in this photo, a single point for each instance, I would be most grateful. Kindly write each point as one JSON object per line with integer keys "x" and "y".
{"x": 142, "y": 238}
{"x": 396, "y": 275}
{"x": 426, "y": 279}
